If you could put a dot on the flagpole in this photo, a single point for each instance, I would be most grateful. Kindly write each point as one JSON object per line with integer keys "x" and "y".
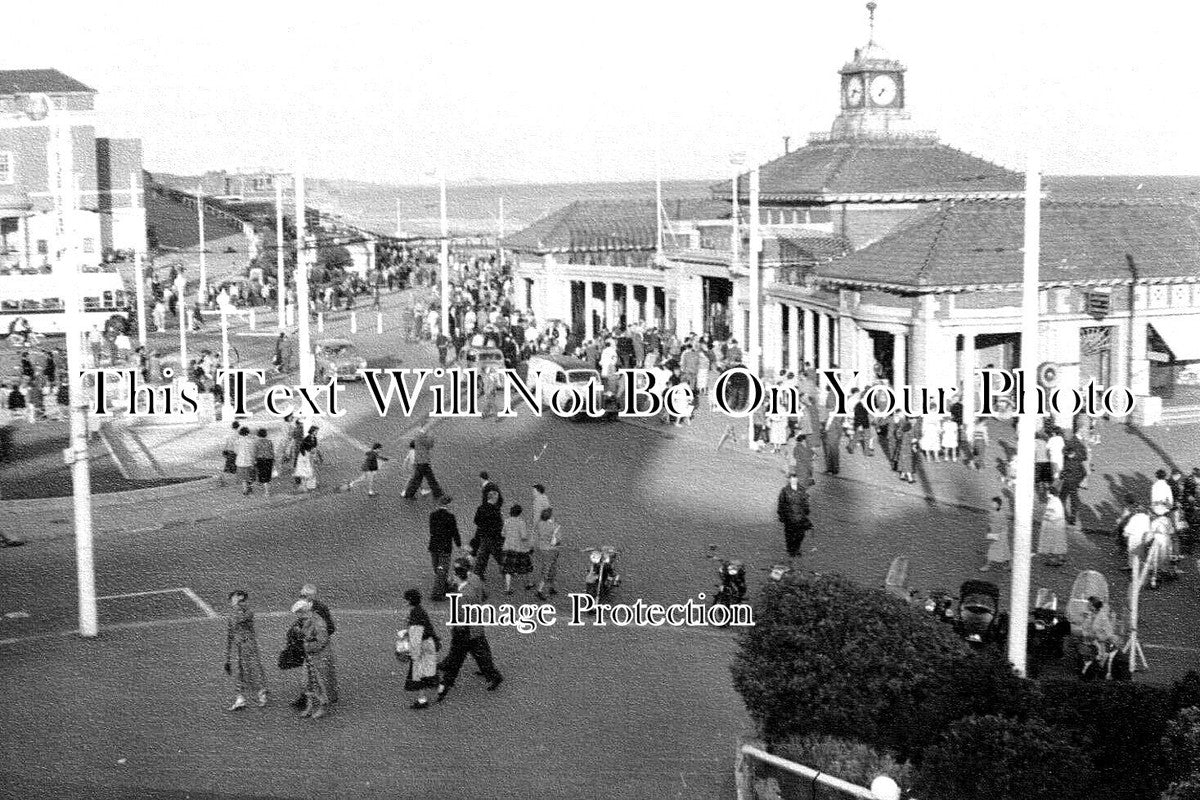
{"x": 1022, "y": 551}
{"x": 280, "y": 274}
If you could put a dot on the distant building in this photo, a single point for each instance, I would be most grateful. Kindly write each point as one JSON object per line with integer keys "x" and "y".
{"x": 49, "y": 154}
{"x": 890, "y": 253}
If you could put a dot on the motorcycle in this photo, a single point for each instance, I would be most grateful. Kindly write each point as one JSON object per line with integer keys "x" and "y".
{"x": 602, "y": 575}
{"x": 1048, "y": 631}
{"x": 732, "y": 588}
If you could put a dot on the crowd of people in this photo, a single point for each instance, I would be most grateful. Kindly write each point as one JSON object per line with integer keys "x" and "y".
{"x": 525, "y": 541}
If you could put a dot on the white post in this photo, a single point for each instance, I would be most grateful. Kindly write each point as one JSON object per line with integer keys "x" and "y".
{"x": 354, "y": 322}
{"x": 1018, "y": 603}
{"x": 181, "y": 305}
{"x": 379, "y": 322}
{"x": 203, "y": 288}
{"x": 253, "y": 319}
{"x": 658, "y": 203}
{"x": 81, "y": 480}
{"x": 226, "y": 408}
{"x": 320, "y": 322}
{"x": 754, "y": 345}
{"x": 280, "y": 276}
{"x": 304, "y": 344}
{"x": 734, "y": 237}
{"x": 445, "y": 261}
{"x": 139, "y": 278}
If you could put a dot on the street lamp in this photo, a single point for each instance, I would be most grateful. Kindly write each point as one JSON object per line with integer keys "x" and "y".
{"x": 66, "y": 201}
{"x": 304, "y": 344}
{"x": 280, "y": 278}
{"x": 884, "y": 788}
{"x": 445, "y": 258}
{"x": 139, "y": 277}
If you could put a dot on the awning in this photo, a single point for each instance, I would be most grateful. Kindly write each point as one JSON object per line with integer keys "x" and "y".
{"x": 14, "y": 203}
{"x": 1181, "y": 334}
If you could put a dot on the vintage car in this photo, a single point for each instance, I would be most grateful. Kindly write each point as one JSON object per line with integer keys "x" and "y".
{"x": 338, "y": 358}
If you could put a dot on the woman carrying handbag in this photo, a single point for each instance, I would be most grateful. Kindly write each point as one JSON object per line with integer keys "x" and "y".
{"x": 422, "y": 649}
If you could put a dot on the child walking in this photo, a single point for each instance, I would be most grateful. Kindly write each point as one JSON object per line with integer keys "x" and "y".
{"x": 370, "y": 466}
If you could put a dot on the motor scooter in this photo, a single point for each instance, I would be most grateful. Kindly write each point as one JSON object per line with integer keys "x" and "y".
{"x": 602, "y": 576}
{"x": 732, "y": 588}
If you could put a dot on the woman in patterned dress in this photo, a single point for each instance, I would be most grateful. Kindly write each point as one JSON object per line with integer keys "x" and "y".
{"x": 242, "y": 659}
{"x": 424, "y": 644}
{"x": 318, "y": 660}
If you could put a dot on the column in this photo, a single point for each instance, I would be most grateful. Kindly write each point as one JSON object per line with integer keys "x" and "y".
{"x": 22, "y": 243}
{"x": 899, "y": 359}
{"x": 609, "y": 301}
{"x": 821, "y": 343}
{"x": 631, "y": 314}
{"x": 792, "y": 314}
{"x": 966, "y": 380}
{"x": 809, "y": 336}
{"x": 589, "y": 324}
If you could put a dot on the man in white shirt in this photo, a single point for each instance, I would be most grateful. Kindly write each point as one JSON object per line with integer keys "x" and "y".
{"x": 1054, "y": 449}
{"x": 608, "y": 359}
{"x": 1161, "y": 492}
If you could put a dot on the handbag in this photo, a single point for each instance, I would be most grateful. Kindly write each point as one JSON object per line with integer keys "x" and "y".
{"x": 291, "y": 656}
{"x": 403, "y": 646}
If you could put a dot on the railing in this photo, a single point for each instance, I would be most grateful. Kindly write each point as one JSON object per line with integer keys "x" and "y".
{"x": 753, "y": 779}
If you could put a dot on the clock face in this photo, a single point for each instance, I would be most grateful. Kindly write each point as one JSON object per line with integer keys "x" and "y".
{"x": 854, "y": 92}
{"x": 883, "y": 90}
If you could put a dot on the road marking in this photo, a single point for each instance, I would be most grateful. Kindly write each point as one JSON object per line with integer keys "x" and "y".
{"x": 185, "y": 591}
{"x": 205, "y": 607}
{"x": 1173, "y": 648}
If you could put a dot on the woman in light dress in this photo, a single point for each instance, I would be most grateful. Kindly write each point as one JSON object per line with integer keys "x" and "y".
{"x": 242, "y": 660}
{"x": 1052, "y": 540}
{"x": 950, "y": 439}
{"x": 931, "y": 436}
{"x": 999, "y": 529}
{"x": 777, "y": 431}
{"x": 305, "y": 471}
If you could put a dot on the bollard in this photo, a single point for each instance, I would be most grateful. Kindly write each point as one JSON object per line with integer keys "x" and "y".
{"x": 253, "y": 320}
{"x": 320, "y": 322}
{"x": 379, "y": 322}
{"x": 289, "y": 314}
{"x": 354, "y": 322}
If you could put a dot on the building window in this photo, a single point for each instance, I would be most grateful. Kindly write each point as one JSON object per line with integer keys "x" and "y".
{"x": 89, "y": 245}
{"x": 7, "y": 169}
{"x": 43, "y": 247}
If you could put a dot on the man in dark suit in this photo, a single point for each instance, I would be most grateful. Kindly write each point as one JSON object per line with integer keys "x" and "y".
{"x": 443, "y": 538}
{"x": 792, "y": 509}
{"x": 466, "y": 639}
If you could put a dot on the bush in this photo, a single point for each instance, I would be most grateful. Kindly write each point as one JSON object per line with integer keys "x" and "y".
{"x": 851, "y": 761}
{"x": 828, "y": 657}
{"x": 1184, "y": 790}
{"x": 1120, "y": 726}
{"x": 994, "y": 758}
{"x": 1181, "y": 744}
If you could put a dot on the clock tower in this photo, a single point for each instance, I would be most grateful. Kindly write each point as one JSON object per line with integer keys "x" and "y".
{"x": 872, "y": 94}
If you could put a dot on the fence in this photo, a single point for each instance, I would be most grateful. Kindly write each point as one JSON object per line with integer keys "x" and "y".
{"x": 762, "y": 776}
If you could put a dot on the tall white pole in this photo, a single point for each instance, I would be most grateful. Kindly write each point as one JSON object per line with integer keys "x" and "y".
{"x": 445, "y": 261}
{"x": 81, "y": 478}
{"x": 226, "y": 407}
{"x": 302, "y": 334}
{"x": 202, "y": 291}
{"x": 734, "y": 236}
{"x": 500, "y": 237}
{"x": 658, "y": 204}
{"x": 753, "y": 335}
{"x": 1023, "y": 492}
{"x": 139, "y": 277}
{"x": 280, "y": 274}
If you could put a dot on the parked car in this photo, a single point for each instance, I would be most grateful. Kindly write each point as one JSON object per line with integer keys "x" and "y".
{"x": 338, "y": 358}
{"x": 556, "y": 373}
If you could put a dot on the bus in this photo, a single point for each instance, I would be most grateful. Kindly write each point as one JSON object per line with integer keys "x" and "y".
{"x": 34, "y": 301}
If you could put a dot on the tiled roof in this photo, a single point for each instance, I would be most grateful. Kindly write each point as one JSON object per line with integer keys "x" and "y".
{"x": 46, "y": 81}
{"x": 607, "y": 225}
{"x": 979, "y": 244}
{"x": 916, "y": 167}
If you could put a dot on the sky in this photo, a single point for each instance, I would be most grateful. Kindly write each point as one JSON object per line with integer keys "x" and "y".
{"x": 521, "y": 92}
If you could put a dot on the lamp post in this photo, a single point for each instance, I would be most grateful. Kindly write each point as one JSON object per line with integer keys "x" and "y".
{"x": 304, "y": 345}
{"x": 1023, "y": 491}
{"x": 139, "y": 278}
{"x": 202, "y": 290}
{"x": 753, "y": 345}
{"x": 62, "y": 179}
{"x": 280, "y": 275}
{"x": 445, "y": 258}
